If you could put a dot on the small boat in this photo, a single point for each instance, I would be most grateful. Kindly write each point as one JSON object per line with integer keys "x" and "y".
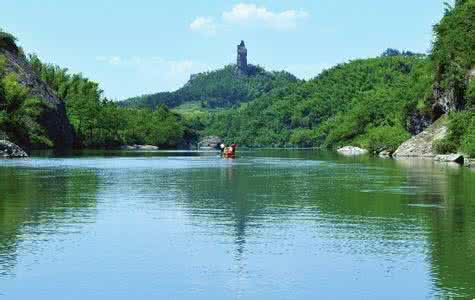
{"x": 228, "y": 152}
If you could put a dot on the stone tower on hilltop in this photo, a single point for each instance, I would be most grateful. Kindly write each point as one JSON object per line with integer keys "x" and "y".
{"x": 242, "y": 58}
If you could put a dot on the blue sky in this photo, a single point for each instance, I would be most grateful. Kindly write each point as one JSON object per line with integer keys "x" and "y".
{"x": 145, "y": 46}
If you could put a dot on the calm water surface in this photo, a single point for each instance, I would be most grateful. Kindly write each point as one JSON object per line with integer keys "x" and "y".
{"x": 268, "y": 225}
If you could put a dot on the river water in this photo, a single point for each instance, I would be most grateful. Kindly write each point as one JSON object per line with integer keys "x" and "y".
{"x": 267, "y": 225}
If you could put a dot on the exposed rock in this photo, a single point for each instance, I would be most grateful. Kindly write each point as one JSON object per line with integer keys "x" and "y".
{"x": 421, "y": 145}
{"x": 352, "y": 151}
{"x": 469, "y": 163}
{"x": 445, "y": 101}
{"x": 418, "y": 122}
{"x": 10, "y": 150}
{"x": 242, "y": 58}
{"x": 385, "y": 154}
{"x": 54, "y": 117}
{"x": 452, "y": 158}
{"x": 449, "y": 99}
{"x": 210, "y": 142}
{"x": 139, "y": 147}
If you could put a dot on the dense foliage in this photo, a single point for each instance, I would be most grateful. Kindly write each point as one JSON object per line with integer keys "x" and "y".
{"x": 19, "y": 113}
{"x": 222, "y": 88}
{"x": 453, "y": 53}
{"x": 99, "y": 122}
{"x": 364, "y": 102}
{"x": 454, "y": 59}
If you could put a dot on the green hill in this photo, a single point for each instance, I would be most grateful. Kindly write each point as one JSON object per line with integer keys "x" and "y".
{"x": 366, "y": 102}
{"x": 222, "y": 88}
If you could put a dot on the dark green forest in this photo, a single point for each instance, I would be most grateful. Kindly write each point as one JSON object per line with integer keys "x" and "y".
{"x": 376, "y": 103}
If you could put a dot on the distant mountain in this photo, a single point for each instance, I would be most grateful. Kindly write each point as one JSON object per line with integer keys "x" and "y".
{"x": 223, "y": 88}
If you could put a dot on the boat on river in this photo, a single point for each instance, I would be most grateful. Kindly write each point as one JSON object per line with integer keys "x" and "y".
{"x": 228, "y": 152}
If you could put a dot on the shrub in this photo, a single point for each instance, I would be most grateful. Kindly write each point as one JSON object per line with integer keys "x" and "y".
{"x": 468, "y": 140}
{"x": 302, "y": 137}
{"x": 468, "y": 145}
{"x": 444, "y": 146}
{"x": 470, "y": 96}
{"x": 384, "y": 138}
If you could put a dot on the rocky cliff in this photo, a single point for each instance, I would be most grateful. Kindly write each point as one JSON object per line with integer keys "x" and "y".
{"x": 421, "y": 145}
{"x": 10, "y": 150}
{"x": 53, "y": 118}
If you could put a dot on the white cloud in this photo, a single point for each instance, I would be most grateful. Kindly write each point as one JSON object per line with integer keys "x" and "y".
{"x": 205, "y": 25}
{"x": 113, "y": 60}
{"x": 252, "y": 14}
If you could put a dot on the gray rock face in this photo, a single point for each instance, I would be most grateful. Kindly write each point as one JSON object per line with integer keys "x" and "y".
{"x": 242, "y": 58}
{"x": 10, "y": 150}
{"x": 418, "y": 122}
{"x": 352, "y": 151}
{"x": 421, "y": 145}
{"x": 54, "y": 117}
{"x": 452, "y": 158}
{"x": 210, "y": 142}
{"x": 445, "y": 101}
{"x": 449, "y": 100}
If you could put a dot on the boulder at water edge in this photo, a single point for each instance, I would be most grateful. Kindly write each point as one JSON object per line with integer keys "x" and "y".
{"x": 10, "y": 150}
{"x": 139, "y": 147}
{"x": 452, "y": 158}
{"x": 352, "y": 151}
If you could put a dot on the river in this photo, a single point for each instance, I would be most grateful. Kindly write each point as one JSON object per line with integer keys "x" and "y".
{"x": 270, "y": 224}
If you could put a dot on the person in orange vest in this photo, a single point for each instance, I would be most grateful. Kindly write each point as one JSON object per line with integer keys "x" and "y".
{"x": 230, "y": 151}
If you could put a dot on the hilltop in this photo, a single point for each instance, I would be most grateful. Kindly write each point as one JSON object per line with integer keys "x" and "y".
{"x": 223, "y": 88}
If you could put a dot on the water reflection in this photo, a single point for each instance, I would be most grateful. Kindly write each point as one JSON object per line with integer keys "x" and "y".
{"x": 308, "y": 217}
{"x": 382, "y": 208}
{"x": 38, "y": 204}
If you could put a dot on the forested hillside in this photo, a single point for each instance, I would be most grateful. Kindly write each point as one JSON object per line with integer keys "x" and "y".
{"x": 374, "y": 103}
{"x": 96, "y": 120}
{"x": 100, "y": 122}
{"x": 454, "y": 68}
{"x": 366, "y": 102}
{"x": 224, "y": 88}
